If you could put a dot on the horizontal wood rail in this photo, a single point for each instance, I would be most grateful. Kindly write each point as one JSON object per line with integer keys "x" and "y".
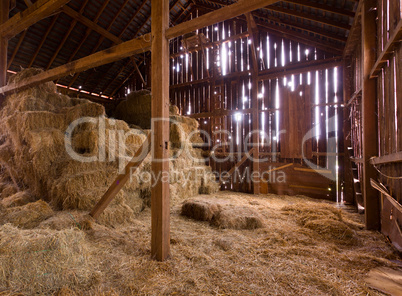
{"x": 356, "y": 160}
{"x": 388, "y": 51}
{"x": 299, "y": 67}
{"x": 390, "y": 158}
{"x": 122, "y": 179}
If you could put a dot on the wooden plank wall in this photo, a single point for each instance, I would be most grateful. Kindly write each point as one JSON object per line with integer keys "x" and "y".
{"x": 213, "y": 94}
{"x": 389, "y": 89}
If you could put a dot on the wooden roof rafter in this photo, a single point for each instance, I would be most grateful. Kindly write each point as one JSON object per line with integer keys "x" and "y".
{"x": 89, "y": 30}
{"x": 66, "y": 35}
{"x": 116, "y": 39}
{"x": 43, "y": 40}
{"x": 297, "y": 36}
{"x": 296, "y": 13}
{"x": 298, "y": 26}
{"x": 24, "y": 19}
{"x": 125, "y": 66}
{"x": 310, "y": 22}
{"x": 323, "y": 7}
{"x": 20, "y": 40}
{"x": 137, "y": 45}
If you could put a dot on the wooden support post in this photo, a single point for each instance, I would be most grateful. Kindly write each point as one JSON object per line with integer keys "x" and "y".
{"x": 160, "y": 208}
{"x": 254, "y": 36}
{"x": 4, "y": 10}
{"x": 369, "y": 122}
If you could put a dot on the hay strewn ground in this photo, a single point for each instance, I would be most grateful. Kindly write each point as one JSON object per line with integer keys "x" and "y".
{"x": 290, "y": 255}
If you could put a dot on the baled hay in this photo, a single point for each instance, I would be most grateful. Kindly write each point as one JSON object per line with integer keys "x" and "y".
{"x": 200, "y": 210}
{"x": 33, "y": 126}
{"x": 29, "y": 215}
{"x": 237, "y": 218}
{"x": 41, "y": 261}
{"x": 18, "y": 199}
{"x": 222, "y": 214}
{"x": 85, "y": 109}
{"x": 174, "y": 110}
{"x": 136, "y": 109}
{"x": 26, "y": 73}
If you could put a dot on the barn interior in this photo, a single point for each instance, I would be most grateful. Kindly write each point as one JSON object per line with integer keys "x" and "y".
{"x": 200, "y": 147}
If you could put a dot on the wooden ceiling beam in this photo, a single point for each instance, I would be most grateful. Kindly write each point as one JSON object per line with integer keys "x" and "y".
{"x": 141, "y": 77}
{"x": 316, "y": 31}
{"x": 107, "y": 29}
{"x": 296, "y": 13}
{"x": 216, "y": 16}
{"x": 138, "y": 45}
{"x": 302, "y": 38}
{"x": 309, "y": 17}
{"x": 323, "y": 7}
{"x": 28, "y": 2}
{"x": 296, "y": 36}
{"x": 17, "y": 47}
{"x": 88, "y": 30}
{"x": 49, "y": 28}
{"x": 66, "y": 35}
{"x": 33, "y": 14}
{"x": 114, "y": 79}
{"x": 118, "y": 52}
{"x": 124, "y": 82}
{"x": 90, "y": 24}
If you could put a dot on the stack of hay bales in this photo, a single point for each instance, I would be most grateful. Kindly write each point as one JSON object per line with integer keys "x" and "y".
{"x": 34, "y": 160}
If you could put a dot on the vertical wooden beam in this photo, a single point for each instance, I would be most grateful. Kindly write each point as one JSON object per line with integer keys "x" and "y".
{"x": 254, "y": 36}
{"x": 4, "y": 11}
{"x": 369, "y": 122}
{"x": 160, "y": 241}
